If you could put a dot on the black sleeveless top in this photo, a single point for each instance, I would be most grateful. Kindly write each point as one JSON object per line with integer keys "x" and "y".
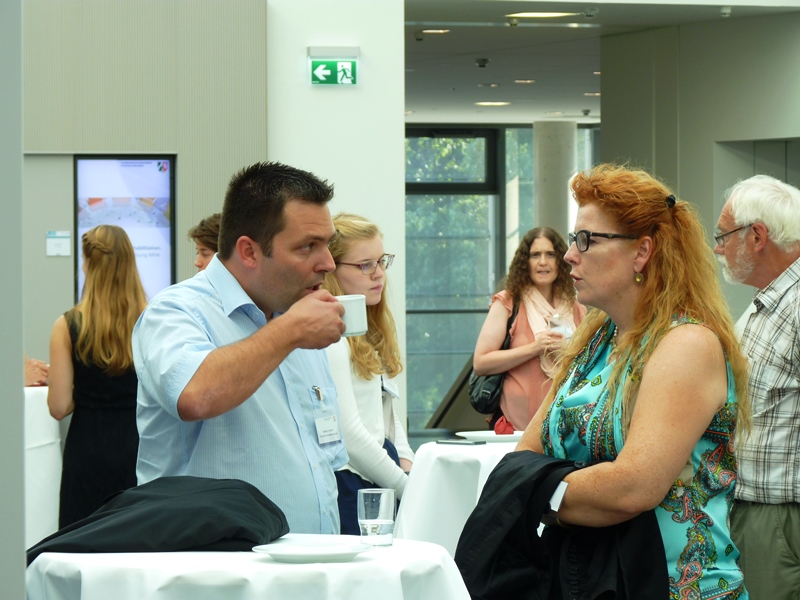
{"x": 93, "y": 387}
{"x": 102, "y": 442}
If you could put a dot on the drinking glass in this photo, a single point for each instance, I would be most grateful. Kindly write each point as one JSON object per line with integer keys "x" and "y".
{"x": 556, "y": 323}
{"x": 376, "y": 516}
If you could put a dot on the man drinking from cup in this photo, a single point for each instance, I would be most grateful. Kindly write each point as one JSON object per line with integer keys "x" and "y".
{"x": 233, "y": 379}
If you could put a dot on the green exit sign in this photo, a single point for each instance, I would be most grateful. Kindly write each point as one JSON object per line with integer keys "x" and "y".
{"x": 333, "y": 71}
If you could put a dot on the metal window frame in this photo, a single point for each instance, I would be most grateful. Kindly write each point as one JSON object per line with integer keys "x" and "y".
{"x": 490, "y": 185}
{"x": 493, "y": 185}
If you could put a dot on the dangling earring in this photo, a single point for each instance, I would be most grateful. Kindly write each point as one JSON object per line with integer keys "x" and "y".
{"x": 638, "y": 277}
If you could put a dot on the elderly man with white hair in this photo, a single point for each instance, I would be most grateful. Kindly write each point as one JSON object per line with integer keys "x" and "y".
{"x": 759, "y": 245}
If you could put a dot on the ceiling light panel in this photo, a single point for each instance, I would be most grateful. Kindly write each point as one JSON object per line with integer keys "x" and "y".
{"x": 542, "y": 15}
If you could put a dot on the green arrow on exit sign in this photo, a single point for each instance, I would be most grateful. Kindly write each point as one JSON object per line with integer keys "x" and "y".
{"x": 333, "y": 72}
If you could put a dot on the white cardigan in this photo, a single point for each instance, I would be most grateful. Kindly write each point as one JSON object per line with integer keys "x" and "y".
{"x": 367, "y": 418}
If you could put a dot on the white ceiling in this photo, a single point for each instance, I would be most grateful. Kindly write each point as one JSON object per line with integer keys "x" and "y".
{"x": 561, "y": 55}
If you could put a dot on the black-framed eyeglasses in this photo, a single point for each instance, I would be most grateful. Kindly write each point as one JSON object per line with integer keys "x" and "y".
{"x": 369, "y": 267}
{"x": 720, "y": 237}
{"x": 581, "y": 238}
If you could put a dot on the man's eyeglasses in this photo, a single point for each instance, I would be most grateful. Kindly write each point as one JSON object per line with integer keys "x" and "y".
{"x": 720, "y": 237}
{"x": 369, "y": 267}
{"x": 581, "y": 238}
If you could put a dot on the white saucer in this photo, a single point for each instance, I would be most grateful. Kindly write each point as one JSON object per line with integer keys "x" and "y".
{"x": 314, "y": 548}
{"x": 490, "y": 436}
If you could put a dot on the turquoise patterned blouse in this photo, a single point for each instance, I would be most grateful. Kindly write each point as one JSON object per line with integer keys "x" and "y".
{"x": 583, "y": 423}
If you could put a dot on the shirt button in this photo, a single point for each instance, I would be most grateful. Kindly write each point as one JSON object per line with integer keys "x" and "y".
{"x": 315, "y": 465}
{"x": 325, "y": 511}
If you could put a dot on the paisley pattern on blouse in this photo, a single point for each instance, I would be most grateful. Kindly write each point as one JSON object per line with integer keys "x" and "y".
{"x": 583, "y": 423}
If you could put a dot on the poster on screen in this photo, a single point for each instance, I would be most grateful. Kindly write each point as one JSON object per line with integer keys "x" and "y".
{"x": 136, "y": 193}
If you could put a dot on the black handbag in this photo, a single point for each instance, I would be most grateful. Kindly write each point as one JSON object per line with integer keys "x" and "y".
{"x": 484, "y": 390}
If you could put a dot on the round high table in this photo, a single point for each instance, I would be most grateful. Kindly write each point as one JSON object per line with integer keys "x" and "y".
{"x": 407, "y": 570}
{"x": 42, "y": 467}
{"x": 443, "y": 488}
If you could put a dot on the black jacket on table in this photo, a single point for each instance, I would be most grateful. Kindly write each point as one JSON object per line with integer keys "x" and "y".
{"x": 501, "y": 556}
{"x": 172, "y": 514}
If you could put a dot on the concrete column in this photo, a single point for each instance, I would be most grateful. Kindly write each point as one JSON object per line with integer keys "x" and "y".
{"x": 12, "y": 488}
{"x": 555, "y": 157}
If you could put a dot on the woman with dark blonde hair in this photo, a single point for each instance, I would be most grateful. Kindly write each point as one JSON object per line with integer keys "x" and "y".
{"x": 92, "y": 375}
{"x": 363, "y": 368}
{"x": 538, "y": 283}
{"x": 646, "y": 391}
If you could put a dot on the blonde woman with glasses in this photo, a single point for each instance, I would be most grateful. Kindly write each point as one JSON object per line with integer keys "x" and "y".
{"x": 364, "y": 368}
{"x": 92, "y": 376}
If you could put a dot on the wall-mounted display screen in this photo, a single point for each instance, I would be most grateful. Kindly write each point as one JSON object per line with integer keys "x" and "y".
{"x": 136, "y": 193}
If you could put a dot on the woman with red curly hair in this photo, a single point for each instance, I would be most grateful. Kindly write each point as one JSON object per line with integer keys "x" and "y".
{"x": 538, "y": 283}
{"x": 652, "y": 386}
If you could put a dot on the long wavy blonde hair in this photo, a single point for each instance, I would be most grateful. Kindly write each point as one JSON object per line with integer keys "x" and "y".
{"x": 680, "y": 277}
{"x": 376, "y": 352}
{"x": 113, "y": 298}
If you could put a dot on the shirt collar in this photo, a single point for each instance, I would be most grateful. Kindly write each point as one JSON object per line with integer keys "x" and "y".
{"x": 230, "y": 292}
{"x": 770, "y": 296}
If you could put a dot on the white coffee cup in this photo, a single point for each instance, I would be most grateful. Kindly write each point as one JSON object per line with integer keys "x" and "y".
{"x": 355, "y": 314}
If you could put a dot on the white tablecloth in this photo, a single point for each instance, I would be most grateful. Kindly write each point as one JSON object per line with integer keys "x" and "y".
{"x": 443, "y": 488}
{"x": 407, "y": 570}
{"x": 42, "y": 467}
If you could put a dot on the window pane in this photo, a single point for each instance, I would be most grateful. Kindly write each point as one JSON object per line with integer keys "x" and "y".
{"x": 439, "y": 345}
{"x": 586, "y": 156}
{"x": 519, "y": 186}
{"x": 441, "y": 159}
{"x": 586, "y": 160}
{"x": 450, "y": 248}
{"x": 449, "y": 251}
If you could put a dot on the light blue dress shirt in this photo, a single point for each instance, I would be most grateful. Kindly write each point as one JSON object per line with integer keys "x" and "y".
{"x": 270, "y": 440}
